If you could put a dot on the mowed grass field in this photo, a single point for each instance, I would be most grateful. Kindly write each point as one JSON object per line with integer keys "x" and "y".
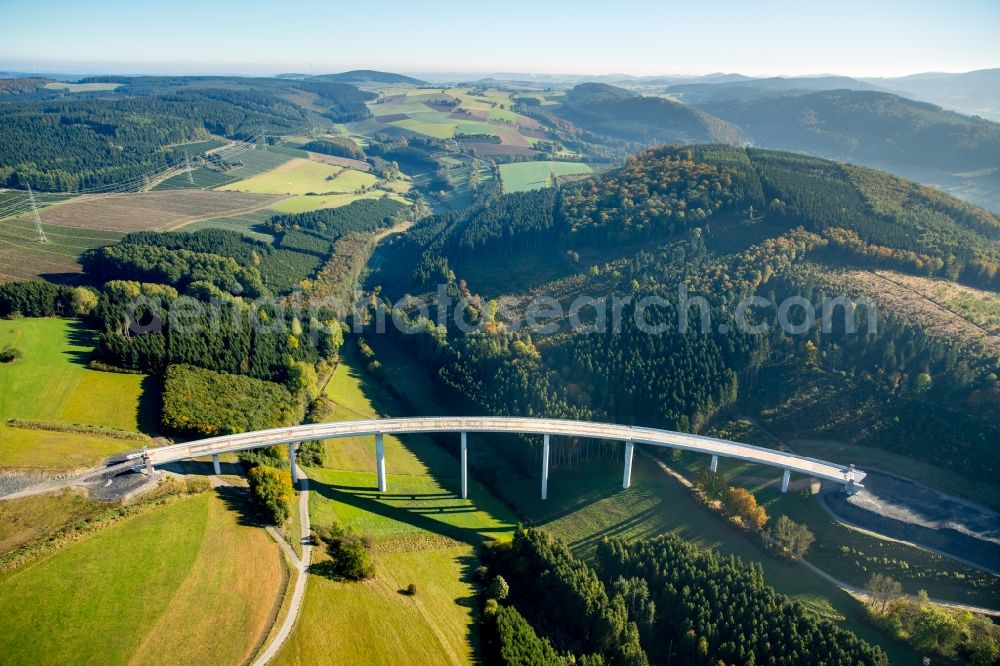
{"x": 302, "y": 204}
{"x": 51, "y": 383}
{"x": 423, "y": 533}
{"x": 524, "y": 176}
{"x": 189, "y": 581}
{"x": 296, "y": 176}
{"x": 311, "y": 185}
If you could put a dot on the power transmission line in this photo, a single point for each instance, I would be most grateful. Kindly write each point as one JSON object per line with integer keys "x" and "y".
{"x": 39, "y": 232}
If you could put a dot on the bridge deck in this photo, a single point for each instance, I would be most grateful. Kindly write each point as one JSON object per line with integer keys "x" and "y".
{"x": 519, "y": 425}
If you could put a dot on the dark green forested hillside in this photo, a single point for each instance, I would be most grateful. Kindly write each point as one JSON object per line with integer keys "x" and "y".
{"x": 616, "y": 112}
{"x": 866, "y": 127}
{"x": 71, "y": 144}
{"x": 677, "y": 217}
{"x": 656, "y": 601}
{"x": 912, "y": 139}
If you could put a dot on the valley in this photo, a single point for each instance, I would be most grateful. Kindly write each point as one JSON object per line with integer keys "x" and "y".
{"x": 794, "y": 263}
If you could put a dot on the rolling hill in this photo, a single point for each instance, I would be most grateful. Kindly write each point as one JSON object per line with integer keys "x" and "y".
{"x": 976, "y": 92}
{"x": 612, "y": 111}
{"x": 675, "y": 216}
{"x": 914, "y": 139}
{"x": 368, "y": 77}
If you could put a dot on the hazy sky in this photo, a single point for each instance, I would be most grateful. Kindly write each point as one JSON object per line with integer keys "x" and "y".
{"x": 869, "y": 37}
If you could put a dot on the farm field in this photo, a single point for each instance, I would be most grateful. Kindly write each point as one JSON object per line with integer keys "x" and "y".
{"x": 22, "y": 257}
{"x": 248, "y": 161}
{"x": 443, "y": 113}
{"x": 301, "y": 204}
{"x": 422, "y": 532}
{"x": 153, "y": 211}
{"x": 27, "y": 519}
{"x": 52, "y": 383}
{"x": 386, "y": 627}
{"x": 172, "y": 581}
{"x": 524, "y": 176}
{"x": 297, "y": 176}
{"x": 82, "y": 87}
{"x": 49, "y": 451}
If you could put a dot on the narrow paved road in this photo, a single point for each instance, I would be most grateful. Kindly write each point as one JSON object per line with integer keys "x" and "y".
{"x": 302, "y": 574}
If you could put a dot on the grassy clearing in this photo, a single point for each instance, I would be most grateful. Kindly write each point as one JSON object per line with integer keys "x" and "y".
{"x": 21, "y": 448}
{"x": 52, "y": 383}
{"x": 378, "y": 625}
{"x": 231, "y": 591}
{"x": 297, "y": 176}
{"x": 350, "y": 180}
{"x": 118, "y": 596}
{"x": 30, "y": 518}
{"x": 82, "y": 87}
{"x": 304, "y": 203}
{"x": 86, "y": 594}
{"x": 523, "y": 176}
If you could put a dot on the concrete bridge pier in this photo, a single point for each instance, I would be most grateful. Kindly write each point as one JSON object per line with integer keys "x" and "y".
{"x": 629, "y": 454}
{"x": 784, "y": 480}
{"x": 291, "y": 461}
{"x": 545, "y": 467}
{"x": 149, "y": 468}
{"x": 464, "y": 455}
{"x": 380, "y": 461}
{"x": 216, "y": 467}
{"x": 715, "y": 464}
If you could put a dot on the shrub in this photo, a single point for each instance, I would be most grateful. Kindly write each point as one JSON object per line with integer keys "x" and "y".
{"x": 311, "y": 454}
{"x": 740, "y": 503}
{"x": 411, "y": 590}
{"x": 9, "y": 354}
{"x": 350, "y": 553}
{"x": 794, "y": 538}
{"x": 499, "y": 589}
{"x": 272, "y": 491}
{"x": 196, "y": 485}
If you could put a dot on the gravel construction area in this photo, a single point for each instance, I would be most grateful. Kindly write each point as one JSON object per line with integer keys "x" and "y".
{"x": 906, "y": 510}
{"x": 12, "y": 481}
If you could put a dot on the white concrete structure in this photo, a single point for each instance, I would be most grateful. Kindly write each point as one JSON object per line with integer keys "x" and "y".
{"x": 464, "y": 456}
{"x": 847, "y": 476}
{"x": 545, "y": 466}
{"x": 629, "y": 455}
{"x": 380, "y": 461}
